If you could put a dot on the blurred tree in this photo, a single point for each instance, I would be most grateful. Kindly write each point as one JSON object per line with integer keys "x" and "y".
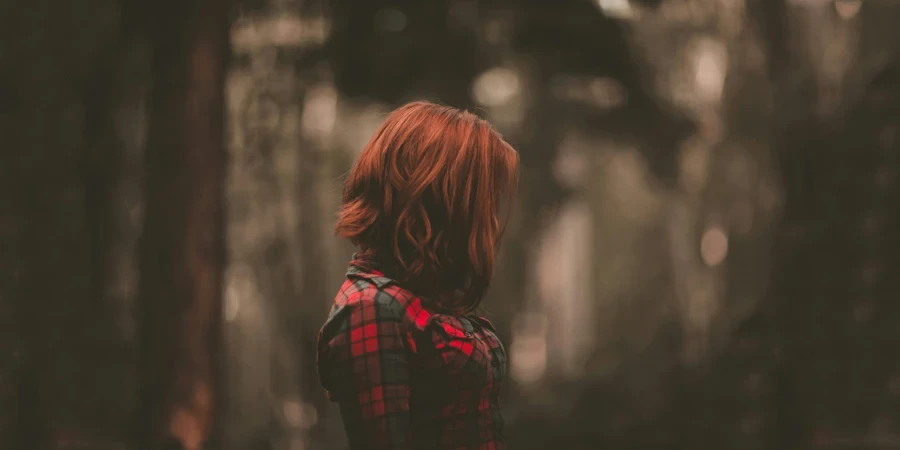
{"x": 281, "y": 104}
{"x": 836, "y": 315}
{"x": 808, "y": 367}
{"x": 575, "y": 38}
{"x": 396, "y": 50}
{"x": 182, "y": 252}
{"x": 574, "y": 45}
{"x": 73, "y": 387}
{"x": 10, "y": 347}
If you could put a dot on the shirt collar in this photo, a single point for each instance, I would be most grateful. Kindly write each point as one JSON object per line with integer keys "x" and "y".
{"x": 369, "y": 270}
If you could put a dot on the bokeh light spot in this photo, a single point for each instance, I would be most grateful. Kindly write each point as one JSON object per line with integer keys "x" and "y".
{"x": 714, "y": 246}
{"x": 496, "y": 87}
{"x": 391, "y": 20}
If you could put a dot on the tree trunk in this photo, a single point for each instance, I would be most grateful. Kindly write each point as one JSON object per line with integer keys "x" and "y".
{"x": 830, "y": 309}
{"x": 182, "y": 247}
{"x": 67, "y": 362}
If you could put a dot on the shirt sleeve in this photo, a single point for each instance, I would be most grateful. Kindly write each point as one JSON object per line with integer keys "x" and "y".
{"x": 363, "y": 365}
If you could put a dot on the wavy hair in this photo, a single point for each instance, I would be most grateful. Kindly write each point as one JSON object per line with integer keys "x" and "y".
{"x": 425, "y": 196}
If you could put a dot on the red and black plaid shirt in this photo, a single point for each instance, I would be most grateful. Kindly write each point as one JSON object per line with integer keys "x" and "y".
{"x": 406, "y": 377}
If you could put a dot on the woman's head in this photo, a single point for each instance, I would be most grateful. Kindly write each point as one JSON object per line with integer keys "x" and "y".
{"x": 426, "y": 193}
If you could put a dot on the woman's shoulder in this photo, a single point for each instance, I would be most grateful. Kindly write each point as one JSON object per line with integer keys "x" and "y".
{"x": 373, "y": 293}
{"x": 385, "y": 299}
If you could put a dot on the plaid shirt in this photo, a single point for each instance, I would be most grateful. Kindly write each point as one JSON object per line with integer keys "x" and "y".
{"x": 406, "y": 377}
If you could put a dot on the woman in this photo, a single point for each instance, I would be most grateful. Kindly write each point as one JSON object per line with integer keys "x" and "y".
{"x": 402, "y": 353}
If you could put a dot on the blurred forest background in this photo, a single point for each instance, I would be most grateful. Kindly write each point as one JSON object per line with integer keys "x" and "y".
{"x": 704, "y": 254}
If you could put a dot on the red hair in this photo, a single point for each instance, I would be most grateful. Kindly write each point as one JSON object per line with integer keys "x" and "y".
{"x": 425, "y": 196}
